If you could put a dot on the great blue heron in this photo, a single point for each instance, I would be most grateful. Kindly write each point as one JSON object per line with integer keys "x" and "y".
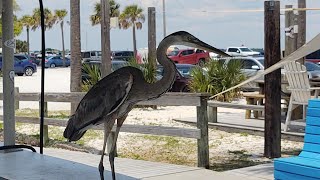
{"x": 114, "y": 96}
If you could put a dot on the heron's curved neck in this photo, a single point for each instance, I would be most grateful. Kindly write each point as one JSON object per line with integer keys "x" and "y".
{"x": 169, "y": 70}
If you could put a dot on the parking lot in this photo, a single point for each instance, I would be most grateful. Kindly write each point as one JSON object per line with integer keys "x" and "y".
{"x": 56, "y": 80}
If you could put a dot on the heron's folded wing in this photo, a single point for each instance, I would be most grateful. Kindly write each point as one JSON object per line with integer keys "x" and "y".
{"x": 103, "y": 98}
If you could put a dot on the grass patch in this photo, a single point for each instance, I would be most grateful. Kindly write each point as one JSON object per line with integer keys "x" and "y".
{"x": 35, "y": 113}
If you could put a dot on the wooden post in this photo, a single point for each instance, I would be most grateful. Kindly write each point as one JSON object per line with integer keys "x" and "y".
{"x": 212, "y": 114}
{"x": 203, "y": 142}
{"x": 302, "y": 26}
{"x": 45, "y": 127}
{"x": 272, "y": 134}
{"x": 290, "y": 21}
{"x": 152, "y": 36}
{"x": 16, "y": 102}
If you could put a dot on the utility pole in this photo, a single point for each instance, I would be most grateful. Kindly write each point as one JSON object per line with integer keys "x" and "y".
{"x": 8, "y": 45}
{"x": 272, "y": 133}
{"x": 105, "y": 38}
{"x": 164, "y": 18}
{"x": 152, "y": 36}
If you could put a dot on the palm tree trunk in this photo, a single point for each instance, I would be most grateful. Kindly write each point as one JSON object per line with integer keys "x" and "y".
{"x": 75, "y": 74}
{"x": 134, "y": 41}
{"x": 28, "y": 41}
{"x": 63, "y": 50}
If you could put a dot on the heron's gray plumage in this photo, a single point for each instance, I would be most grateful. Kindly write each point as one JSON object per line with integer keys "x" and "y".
{"x": 114, "y": 96}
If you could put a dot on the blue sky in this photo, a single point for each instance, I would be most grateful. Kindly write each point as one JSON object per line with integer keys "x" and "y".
{"x": 221, "y": 29}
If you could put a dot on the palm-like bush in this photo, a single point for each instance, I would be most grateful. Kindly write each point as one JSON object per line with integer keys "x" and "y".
{"x": 95, "y": 75}
{"x": 217, "y": 77}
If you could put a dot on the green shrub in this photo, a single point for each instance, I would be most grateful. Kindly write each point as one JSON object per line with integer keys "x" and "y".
{"x": 216, "y": 78}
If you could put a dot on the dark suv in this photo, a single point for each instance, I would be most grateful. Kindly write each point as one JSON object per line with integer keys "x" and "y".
{"x": 122, "y": 55}
{"x": 22, "y": 67}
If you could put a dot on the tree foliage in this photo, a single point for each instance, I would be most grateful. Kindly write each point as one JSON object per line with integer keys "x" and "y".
{"x": 96, "y": 17}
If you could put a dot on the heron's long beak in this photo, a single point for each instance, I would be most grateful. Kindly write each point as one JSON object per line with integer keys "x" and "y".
{"x": 204, "y": 46}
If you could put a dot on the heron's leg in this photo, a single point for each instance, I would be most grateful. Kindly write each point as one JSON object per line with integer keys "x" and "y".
{"x": 113, "y": 146}
{"x": 107, "y": 129}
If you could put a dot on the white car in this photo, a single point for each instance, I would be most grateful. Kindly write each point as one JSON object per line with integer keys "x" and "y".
{"x": 241, "y": 51}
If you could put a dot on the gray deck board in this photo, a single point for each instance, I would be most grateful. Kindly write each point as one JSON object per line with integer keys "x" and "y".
{"x": 69, "y": 165}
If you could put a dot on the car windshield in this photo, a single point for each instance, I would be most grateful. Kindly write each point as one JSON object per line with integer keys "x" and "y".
{"x": 261, "y": 61}
{"x": 312, "y": 66}
{"x": 245, "y": 50}
{"x": 173, "y": 53}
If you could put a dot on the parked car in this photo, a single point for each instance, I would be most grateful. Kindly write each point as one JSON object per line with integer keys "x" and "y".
{"x": 182, "y": 77}
{"x": 314, "y": 57}
{"x": 91, "y": 56}
{"x": 56, "y": 61}
{"x": 250, "y": 67}
{"x": 122, "y": 55}
{"x": 313, "y": 71}
{"x": 189, "y": 56}
{"x": 114, "y": 66}
{"x": 22, "y": 67}
{"x": 26, "y": 57}
{"x": 241, "y": 51}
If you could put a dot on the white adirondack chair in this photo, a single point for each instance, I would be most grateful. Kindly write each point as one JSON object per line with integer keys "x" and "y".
{"x": 299, "y": 86}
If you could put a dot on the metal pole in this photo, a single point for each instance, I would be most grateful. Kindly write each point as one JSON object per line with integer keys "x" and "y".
{"x": 43, "y": 48}
{"x": 164, "y": 18}
{"x": 8, "y": 45}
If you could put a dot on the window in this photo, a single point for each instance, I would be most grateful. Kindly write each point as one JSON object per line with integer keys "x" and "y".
{"x": 245, "y": 50}
{"x": 20, "y": 57}
{"x": 93, "y": 53}
{"x": 314, "y": 55}
{"x": 173, "y": 53}
{"x": 199, "y": 51}
{"x": 247, "y": 64}
{"x": 85, "y": 55}
{"x": 232, "y": 49}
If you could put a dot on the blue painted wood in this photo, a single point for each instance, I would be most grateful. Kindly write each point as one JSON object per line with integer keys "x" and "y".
{"x": 313, "y": 130}
{"x": 306, "y": 166}
{"x": 314, "y": 103}
{"x": 315, "y": 112}
{"x": 311, "y": 147}
{"x": 314, "y": 121}
{"x": 299, "y": 165}
{"x": 312, "y": 138}
{"x": 289, "y": 176}
{"x": 310, "y": 155}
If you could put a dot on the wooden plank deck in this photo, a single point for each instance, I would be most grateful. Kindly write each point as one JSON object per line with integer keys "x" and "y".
{"x": 64, "y": 164}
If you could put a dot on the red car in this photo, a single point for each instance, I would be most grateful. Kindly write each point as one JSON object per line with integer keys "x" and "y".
{"x": 189, "y": 56}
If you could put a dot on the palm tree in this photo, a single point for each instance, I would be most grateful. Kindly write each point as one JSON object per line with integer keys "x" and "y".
{"x": 49, "y": 20}
{"x": 132, "y": 16}
{"x": 96, "y": 17}
{"x": 75, "y": 74}
{"x": 60, "y": 15}
{"x": 27, "y": 22}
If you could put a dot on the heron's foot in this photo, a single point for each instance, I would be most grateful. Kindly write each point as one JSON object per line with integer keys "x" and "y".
{"x": 101, "y": 170}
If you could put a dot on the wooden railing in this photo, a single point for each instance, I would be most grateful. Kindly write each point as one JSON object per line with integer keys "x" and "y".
{"x": 169, "y": 99}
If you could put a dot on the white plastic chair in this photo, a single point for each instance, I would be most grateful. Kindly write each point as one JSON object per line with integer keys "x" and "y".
{"x": 299, "y": 86}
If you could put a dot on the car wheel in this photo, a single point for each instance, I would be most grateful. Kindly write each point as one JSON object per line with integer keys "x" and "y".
{"x": 52, "y": 65}
{"x": 201, "y": 62}
{"x": 28, "y": 71}
{"x": 20, "y": 74}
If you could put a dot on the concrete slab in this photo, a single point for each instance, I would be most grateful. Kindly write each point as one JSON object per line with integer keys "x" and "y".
{"x": 64, "y": 164}
{"x": 262, "y": 171}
